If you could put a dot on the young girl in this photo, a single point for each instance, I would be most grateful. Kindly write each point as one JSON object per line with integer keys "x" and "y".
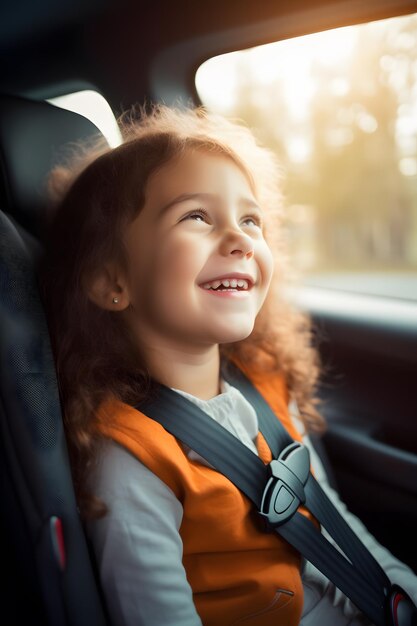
{"x": 164, "y": 257}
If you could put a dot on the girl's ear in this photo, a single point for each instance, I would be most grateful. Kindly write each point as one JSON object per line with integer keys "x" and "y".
{"x": 107, "y": 288}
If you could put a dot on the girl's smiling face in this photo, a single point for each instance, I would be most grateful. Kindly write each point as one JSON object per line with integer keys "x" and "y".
{"x": 200, "y": 222}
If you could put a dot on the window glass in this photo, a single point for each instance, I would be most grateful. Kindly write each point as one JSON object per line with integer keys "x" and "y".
{"x": 340, "y": 110}
{"x": 94, "y": 107}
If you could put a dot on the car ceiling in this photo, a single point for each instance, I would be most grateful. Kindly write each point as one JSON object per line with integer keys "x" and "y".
{"x": 50, "y": 48}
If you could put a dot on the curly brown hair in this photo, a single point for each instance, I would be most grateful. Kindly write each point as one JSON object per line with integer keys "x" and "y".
{"x": 94, "y": 195}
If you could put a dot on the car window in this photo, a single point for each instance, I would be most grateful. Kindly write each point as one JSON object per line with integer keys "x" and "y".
{"x": 94, "y": 107}
{"x": 340, "y": 110}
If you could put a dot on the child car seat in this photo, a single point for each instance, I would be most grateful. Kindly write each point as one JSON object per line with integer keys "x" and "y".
{"x": 45, "y": 558}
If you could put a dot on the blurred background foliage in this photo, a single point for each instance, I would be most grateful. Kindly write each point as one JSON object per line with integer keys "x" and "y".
{"x": 340, "y": 110}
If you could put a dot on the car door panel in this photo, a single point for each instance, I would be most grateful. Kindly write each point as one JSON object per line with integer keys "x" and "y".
{"x": 368, "y": 390}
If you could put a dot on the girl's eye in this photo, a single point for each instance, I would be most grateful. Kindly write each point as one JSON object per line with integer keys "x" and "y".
{"x": 255, "y": 219}
{"x": 201, "y": 213}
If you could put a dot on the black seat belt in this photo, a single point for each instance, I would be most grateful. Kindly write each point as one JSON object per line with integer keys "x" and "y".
{"x": 278, "y": 489}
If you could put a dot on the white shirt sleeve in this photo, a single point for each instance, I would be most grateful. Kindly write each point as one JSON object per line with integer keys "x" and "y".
{"x": 137, "y": 545}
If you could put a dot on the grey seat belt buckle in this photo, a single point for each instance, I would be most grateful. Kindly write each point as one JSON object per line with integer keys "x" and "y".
{"x": 284, "y": 491}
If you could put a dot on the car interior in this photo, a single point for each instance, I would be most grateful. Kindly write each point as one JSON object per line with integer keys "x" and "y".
{"x": 134, "y": 52}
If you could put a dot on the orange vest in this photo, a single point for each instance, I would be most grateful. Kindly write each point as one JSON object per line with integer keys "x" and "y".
{"x": 239, "y": 574}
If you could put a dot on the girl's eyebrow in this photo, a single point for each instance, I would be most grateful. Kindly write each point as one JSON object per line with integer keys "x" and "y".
{"x": 204, "y": 197}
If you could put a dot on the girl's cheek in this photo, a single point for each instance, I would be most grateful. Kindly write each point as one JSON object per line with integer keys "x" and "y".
{"x": 177, "y": 263}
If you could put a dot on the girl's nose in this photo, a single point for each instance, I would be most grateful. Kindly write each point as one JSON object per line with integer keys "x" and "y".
{"x": 237, "y": 243}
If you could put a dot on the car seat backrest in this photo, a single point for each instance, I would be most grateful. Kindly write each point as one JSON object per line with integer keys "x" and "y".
{"x": 50, "y": 573}
{"x": 32, "y": 136}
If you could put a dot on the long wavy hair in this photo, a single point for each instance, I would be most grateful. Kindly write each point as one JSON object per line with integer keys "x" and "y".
{"x": 94, "y": 195}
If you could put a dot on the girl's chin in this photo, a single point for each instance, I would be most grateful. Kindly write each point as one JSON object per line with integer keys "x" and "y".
{"x": 234, "y": 335}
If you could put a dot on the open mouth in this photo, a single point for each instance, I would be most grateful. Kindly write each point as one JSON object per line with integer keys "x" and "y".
{"x": 228, "y": 284}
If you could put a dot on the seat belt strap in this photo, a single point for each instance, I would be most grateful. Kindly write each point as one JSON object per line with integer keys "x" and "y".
{"x": 201, "y": 433}
{"x": 352, "y": 568}
{"x": 321, "y": 507}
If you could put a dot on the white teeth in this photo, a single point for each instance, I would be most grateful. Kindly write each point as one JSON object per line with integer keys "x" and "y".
{"x": 233, "y": 283}
{"x": 212, "y": 285}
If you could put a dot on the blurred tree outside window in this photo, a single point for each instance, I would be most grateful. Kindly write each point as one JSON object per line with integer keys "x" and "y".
{"x": 340, "y": 110}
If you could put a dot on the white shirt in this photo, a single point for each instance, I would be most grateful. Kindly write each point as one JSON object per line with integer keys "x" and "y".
{"x": 139, "y": 550}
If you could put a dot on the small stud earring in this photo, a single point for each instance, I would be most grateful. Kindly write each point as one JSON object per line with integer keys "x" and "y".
{"x": 115, "y": 300}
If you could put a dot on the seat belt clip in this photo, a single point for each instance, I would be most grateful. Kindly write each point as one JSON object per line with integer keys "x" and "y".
{"x": 284, "y": 491}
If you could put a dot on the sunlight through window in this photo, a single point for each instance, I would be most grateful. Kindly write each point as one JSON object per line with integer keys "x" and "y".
{"x": 95, "y": 108}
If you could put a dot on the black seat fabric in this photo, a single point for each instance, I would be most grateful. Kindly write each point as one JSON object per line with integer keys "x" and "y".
{"x": 50, "y": 577}
{"x": 31, "y": 137}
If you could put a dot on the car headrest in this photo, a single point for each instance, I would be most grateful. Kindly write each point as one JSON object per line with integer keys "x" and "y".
{"x": 31, "y": 137}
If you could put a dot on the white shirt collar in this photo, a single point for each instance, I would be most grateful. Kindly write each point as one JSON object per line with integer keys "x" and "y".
{"x": 230, "y": 409}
